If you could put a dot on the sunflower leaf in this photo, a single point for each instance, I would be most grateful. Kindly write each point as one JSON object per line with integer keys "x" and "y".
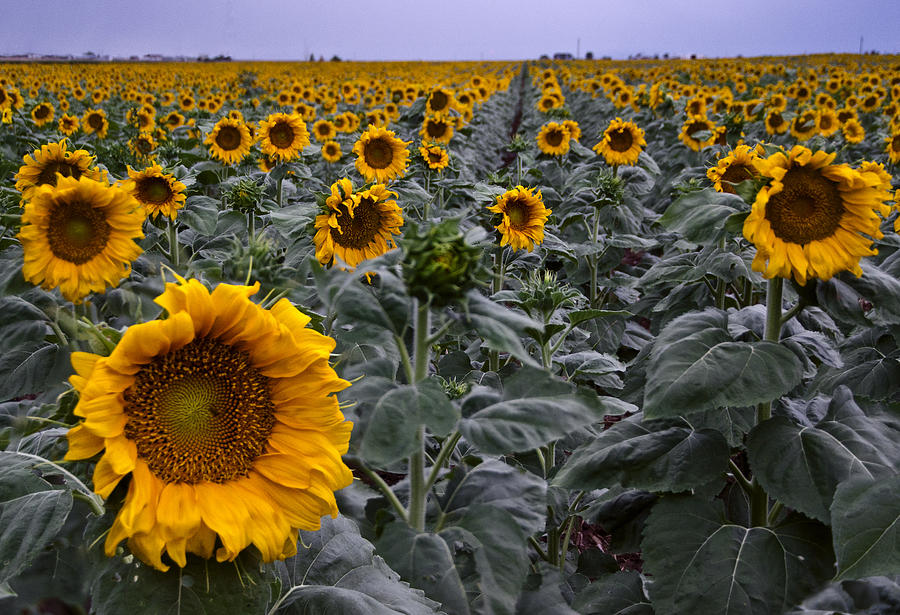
{"x": 701, "y": 215}
{"x": 619, "y": 593}
{"x": 866, "y": 521}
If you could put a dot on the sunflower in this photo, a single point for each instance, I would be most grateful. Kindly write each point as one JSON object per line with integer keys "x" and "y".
{"x": 437, "y": 128}
{"x": 621, "y": 143}
{"x": 439, "y": 101}
{"x": 553, "y": 139}
{"x": 435, "y": 156}
{"x": 893, "y": 148}
{"x": 283, "y": 136}
{"x": 739, "y": 165}
{"x": 157, "y": 191}
{"x": 43, "y": 165}
{"x": 324, "y": 130}
{"x": 697, "y": 133}
{"x": 853, "y": 131}
{"x": 827, "y": 122}
{"x": 223, "y": 418}
{"x": 775, "y": 123}
{"x": 78, "y": 235}
{"x": 94, "y": 121}
{"x": 68, "y": 124}
{"x": 815, "y": 218}
{"x": 6, "y": 116}
{"x": 573, "y": 128}
{"x": 356, "y": 226}
{"x": 331, "y": 151}
{"x": 229, "y": 141}
{"x": 803, "y": 126}
{"x": 42, "y": 114}
{"x": 380, "y": 155}
{"x": 523, "y": 220}
{"x": 142, "y": 146}
{"x": 173, "y": 120}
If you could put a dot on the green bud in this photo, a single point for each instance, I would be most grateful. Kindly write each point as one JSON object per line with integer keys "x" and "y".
{"x": 518, "y": 144}
{"x": 454, "y": 388}
{"x": 438, "y": 264}
{"x": 245, "y": 194}
{"x": 609, "y": 189}
{"x": 542, "y": 294}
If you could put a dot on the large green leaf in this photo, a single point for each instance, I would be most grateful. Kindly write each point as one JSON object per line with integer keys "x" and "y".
{"x": 391, "y": 433}
{"x": 621, "y": 593}
{"x": 501, "y": 328}
{"x": 336, "y": 571}
{"x": 701, "y": 563}
{"x": 695, "y": 365}
{"x": 865, "y": 517}
{"x": 666, "y": 455}
{"x": 803, "y": 465}
{"x": 543, "y": 592}
{"x": 536, "y": 409}
{"x": 700, "y": 215}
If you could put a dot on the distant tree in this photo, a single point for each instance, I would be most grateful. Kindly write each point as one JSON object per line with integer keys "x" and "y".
{"x": 544, "y": 56}
{"x": 589, "y": 55}
{"x": 312, "y": 58}
{"x": 335, "y": 58}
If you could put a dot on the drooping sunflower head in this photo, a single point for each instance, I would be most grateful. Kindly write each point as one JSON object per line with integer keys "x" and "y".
{"x": 283, "y": 136}
{"x": 738, "y": 166}
{"x": 437, "y": 128}
{"x": 229, "y": 141}
{"x": 815, "y": 218}
{"x": 621, "y": 143}
{"x": 553, "y": 139}
{"x": 331, "y": 151}
{"x": 159, "y": 192}
{"x": 223, "y": 417}
{"x": 523, "y": 218}
{"x": 380, "y": 155}
{"x": 43, "y": 165}
{"x": 78, "y": 236}
{"x": 435, "y": 156}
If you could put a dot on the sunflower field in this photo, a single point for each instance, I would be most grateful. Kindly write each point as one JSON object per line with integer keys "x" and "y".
{"x": 556, "y": 337}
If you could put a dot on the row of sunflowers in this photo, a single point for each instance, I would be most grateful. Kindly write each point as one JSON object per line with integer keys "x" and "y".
{"x": 462, "y": 338}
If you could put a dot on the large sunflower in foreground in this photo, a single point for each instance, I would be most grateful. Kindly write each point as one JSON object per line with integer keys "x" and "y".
{"x": 621, "y": 143}
{"x": 380, "y": 155}
{"x": 815, "y": 218}
{"x": 553, "y": 139}
{"x": 283, "y": 136}
{"x": 356, "y": 226}
{"x": 739, "y": 165}
{"x": 42, "y": 166}
{"x": 159, "y": 192}
{"x": 222, "y": 417}
{"x": 229, "y": 141}
{"x": 78, "y": 235}
{"x": 523, "y": 220}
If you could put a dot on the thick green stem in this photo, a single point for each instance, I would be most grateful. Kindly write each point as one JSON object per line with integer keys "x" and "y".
{"x": 518, "y": 168}
{"x": 759, "y": 499}
{"x": 418, "y": 490}
{"x": 279, "y": 191}
{"x": 173, "y": 243}
{"x": 595, "y": 257}
{"x": 386, "y": 491}
{"x": 496, "y": 287}
{"x": 251, "y": 225}
{"x": 720, "y": 283}
{"x": 446, "y": 450}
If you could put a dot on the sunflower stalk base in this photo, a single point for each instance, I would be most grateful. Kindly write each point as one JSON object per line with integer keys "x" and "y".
{"x": 173, "y": 243}
{"x": 418, "y": 486}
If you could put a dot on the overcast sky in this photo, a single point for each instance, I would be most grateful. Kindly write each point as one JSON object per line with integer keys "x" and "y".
{"x": 451, "y": 30}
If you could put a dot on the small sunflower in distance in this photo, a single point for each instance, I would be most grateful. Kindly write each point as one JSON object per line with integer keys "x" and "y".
{"x": 229, "y": 141}
{"x": 893, "y": 148}
{"x": 42, "y": 166}
{"x": 42, "y": 114}
{"x": 437, "y": 128}
{"x": 356, "y": 226}
{"x": 553, "y": 139}
{"x": 79, "y": 235}
{"x": 283, "y": 136}
{"x": 224, "y": 418}
{"x": 621, "y": 143}
{"x": 324, "y": 130}
{"x": 380, "y": 155}
{"x": 435, "y": 156}
{"x": 697, "y": 133}
{"x": 142, "y": 146}
{"x": 94, "y": 122}
{"x": 159, "y": 192}
{"x": 523, "y": 220}
{"x": 738, "y": 166}
{"x": 68, "y": 124}
{"x": 853, "y": 131}
{"x": 573, "y": 128}
{"x": 331, "y": 151}
{"x": 815, "y": 218}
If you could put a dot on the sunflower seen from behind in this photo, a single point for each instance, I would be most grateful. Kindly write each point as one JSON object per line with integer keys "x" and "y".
{"x": 553, "y": 139}
{"x": 380, "y": 155}
{"x": 523, "y": 216}
{"x": 229, "y": 141}
{"x": 621, "y": 143}
{"x": 356, "y": 226}
{"x": 79, "y": 235}
{"x": 222, "y": 418}
{"x": 283, "y": 136}
{"x": 159, "y": 192}
{"x": 815, "y": 218}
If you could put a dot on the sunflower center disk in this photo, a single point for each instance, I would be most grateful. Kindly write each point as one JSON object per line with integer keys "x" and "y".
{"x": 439, "y": 100}
{"x": 735, "y": 174}
{"x": 48, "y": 175}
{"x": 620, "y": 140}
{"x": 228, "y": 138}
{"x": 554, "y": 138}
{"x": 378, "y": 154}
{"x": 808, "y": 208}
{"x": 154, "y": 190}
{"x": 281, "y": 135}
{"x": 359, "y": 230}
{"x": 95, "y": 121}
{"x": 517, "y": 213}
{"x": 200, "y": 413}
{"x": 436, "y": 129}
{"x": 77, "y": 232}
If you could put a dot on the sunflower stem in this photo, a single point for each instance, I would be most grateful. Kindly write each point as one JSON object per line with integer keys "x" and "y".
{"x": 251, "y": 225}
{"x": 518, "y": 168}
{"x": 173, "y": 243}
{"x": 496, "y": 287}
{"x": 720, "y": 283}
{"x": 595, "y": 258}
{"x": 447, "y": 449}
{"x": 759, "y": 499}
{"x": 564, "y": 545}
{"x": 279, "y": 190}
{"x": 418, "y": 491}
{"x": 385, "y": 490}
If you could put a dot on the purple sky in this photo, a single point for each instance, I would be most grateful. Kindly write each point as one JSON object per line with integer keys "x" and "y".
{"x": 452, "y": 30}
